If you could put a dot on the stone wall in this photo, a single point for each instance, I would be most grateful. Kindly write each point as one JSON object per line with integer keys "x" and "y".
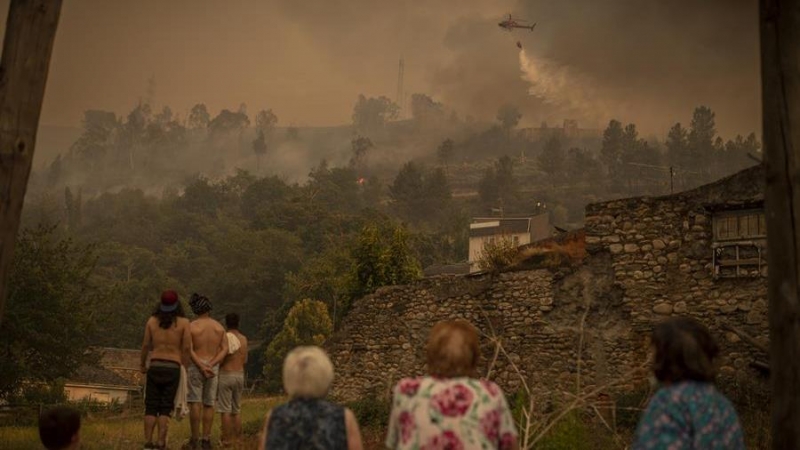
{"x": 647, "y": 258}
{"x": 536, "y": 314}
{"x": 661, "y": 257}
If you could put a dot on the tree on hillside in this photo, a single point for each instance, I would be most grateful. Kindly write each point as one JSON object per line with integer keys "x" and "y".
{"x": 382, "y": 257}
{"x": 201, "y": 196}
{"x": 334, "y": 189}
{"x": 164, "y": 118}
{"x": 50, "y": 315}
{"x": 266, "y": 203}
{"x": 580, "y": 164}
{"x": 611, "y": 151}
{"x": 551, "y": 159}
{"x": 701, "y": 138}
{"x": 426, "y": 111}
{"x": 678, "y": 146}
{"x": 436, "y": 196}
{"x": 360, "y": 147}
{"x": 199, "y": 117}
{"x": 498, "y": 187}
{"x": 259, "y": 147}
{"x": 307, "y": 323}
{"x": 737, "y": 150}
{"x": 266, "y": 121}
{"x": 407, "y": 189}
{"x": 228, "y": 123}
{"x": 445, "y": 152}
{"x": 508, "y": 116}
{"x": 97, "y": 139}
{"x": 371, "y": 114}
{"x": 326, "y": 277}
{"x": 72, "y": 207}
{"x": 418, "y": 195}
{"x": 133, "y": 135}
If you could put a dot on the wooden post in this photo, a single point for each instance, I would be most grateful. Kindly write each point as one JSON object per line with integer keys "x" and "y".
{"x": 28, "y": 44}
{"x": 780, "y": 78}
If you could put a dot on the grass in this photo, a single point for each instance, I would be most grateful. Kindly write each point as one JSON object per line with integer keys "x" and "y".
{"x": 126, "y": 431}
{"x": 574, "y": 432}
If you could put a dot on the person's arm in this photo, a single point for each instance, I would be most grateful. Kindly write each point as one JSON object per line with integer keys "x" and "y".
{"x": 244, "y": 349}
{"x": 192, "y": 355}
{"x": 222, "y": 353}
{"x": 186, "y": 354}
{"x": 353, "y": 432}
{"x": 262, "y": 445}
{"x": 146, "y": 344}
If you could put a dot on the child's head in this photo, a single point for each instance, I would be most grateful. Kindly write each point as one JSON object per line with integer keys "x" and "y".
{"x": 684, "y": 350}
{"x": 59, "y": 428}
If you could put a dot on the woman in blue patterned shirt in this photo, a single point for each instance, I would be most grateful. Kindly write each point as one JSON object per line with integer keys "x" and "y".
{"x": 687, "y": 412}
{"x": 307, "y": 421}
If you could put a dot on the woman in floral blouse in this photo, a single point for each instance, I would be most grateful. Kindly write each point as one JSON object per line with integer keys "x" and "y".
{"x": 687, "y": 412}
{"x": 449, "y": 410}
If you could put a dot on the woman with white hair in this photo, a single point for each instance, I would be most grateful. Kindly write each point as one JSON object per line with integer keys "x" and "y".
{"x": 308, "y": 421}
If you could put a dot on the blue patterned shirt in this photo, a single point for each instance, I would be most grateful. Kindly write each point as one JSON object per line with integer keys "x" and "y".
{"x": 689, "y": 416}
{"x": 308, "y": 424}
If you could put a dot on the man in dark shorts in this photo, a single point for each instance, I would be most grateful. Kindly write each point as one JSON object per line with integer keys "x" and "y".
{"x": 168, "y": 342}
{"x": 59, "y": 428}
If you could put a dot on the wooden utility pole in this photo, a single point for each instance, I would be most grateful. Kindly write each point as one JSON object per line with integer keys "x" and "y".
{"x": 28, "y": 44}
{"x": 780, "y": 78}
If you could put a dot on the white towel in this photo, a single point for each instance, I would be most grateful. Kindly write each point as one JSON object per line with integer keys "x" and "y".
{"x": 233, "y": 343}
{"x": 181, "y": 406}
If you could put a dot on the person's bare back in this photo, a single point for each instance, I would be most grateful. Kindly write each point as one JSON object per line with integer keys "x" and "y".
{"x": 236, "y": 361}
{"x": 207, "y": 340}
{"x": 170, "y": 344}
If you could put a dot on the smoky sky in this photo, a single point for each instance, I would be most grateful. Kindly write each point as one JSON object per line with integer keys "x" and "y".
{"x": 649, "y": 62}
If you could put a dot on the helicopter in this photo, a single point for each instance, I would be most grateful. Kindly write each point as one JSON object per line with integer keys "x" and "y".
{"x": 511, "y": 23}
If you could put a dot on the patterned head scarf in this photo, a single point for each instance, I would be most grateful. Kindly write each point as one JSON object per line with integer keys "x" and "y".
{"x": 200, "y": 304}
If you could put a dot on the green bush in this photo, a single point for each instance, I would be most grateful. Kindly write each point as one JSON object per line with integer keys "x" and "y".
{"x": 371, "y": 412}
{"x": 575, "y": 431}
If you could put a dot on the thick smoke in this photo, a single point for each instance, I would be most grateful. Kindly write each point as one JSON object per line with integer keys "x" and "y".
{"x": 571, "y": 93}
{"x": 650, "y": 61}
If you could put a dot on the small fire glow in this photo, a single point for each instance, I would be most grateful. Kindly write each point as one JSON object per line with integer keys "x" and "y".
{"x": 361, "y": 180}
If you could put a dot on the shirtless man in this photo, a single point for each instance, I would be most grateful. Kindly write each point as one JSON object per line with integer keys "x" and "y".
{"x": 169, "y": 343}
{"x": 209, "y": 348}
{"x": 231, "y": 382}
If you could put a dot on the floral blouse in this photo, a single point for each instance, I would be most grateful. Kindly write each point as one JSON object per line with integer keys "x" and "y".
{"x": 689, "y": 416}
{"x": 449, "y": 414}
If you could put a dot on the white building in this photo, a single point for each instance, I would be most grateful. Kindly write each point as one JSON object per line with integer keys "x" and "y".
{"x": 519, "y": 230}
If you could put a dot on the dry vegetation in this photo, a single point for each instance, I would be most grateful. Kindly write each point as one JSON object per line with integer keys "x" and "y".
{"x": 124, "y": 431}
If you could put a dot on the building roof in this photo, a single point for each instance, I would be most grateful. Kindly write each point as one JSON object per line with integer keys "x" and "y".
{"x": 743, "y": 189}
{"x": 91, "y": 375}
{"x": 499, "y": 226}
{"x": 119, "y": 358}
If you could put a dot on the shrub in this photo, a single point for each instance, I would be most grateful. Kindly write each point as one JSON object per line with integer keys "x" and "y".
{"x": 497, "y": 254}
{"x": 371, "y": 412}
